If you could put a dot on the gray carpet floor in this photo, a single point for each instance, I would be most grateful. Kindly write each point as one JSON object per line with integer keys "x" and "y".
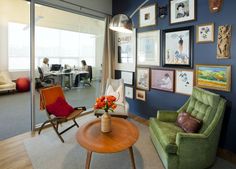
{"x": 70, "y": 155}
{"x": 15, "y": 117}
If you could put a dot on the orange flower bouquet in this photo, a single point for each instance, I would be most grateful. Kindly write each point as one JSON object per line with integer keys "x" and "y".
{"x": 106, "y": 103}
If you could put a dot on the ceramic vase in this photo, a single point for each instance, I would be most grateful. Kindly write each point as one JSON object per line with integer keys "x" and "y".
{"x": 106, "y": 122}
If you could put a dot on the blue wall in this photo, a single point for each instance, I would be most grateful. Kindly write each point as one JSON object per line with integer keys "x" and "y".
{"x": 203, "y": 54}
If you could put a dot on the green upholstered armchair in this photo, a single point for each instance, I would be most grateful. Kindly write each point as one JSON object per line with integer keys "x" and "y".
{"x": 180, "y": 150}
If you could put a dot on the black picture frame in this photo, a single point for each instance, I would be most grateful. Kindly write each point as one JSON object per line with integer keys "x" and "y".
{"x": 194, "y": 13}
{"x": 189, "y": 54}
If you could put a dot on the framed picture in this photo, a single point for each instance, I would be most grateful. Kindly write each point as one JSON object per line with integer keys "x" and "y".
{"x": 141, "y": 95}
{"x": 163, "y": 80}
{"x": 129, "y": 92}
{"x": 224, "y": 41}
{"x": 143, "y": 78}
{"x": 182, "y": 11}
{"x": 178, "y": 47}
{"x": 216, "y": 77}
{"x": 127, "y": 77}
{"x": 147, "y": 16}
{"x": 184, "y": 81}
{"x": 148, "y": 48}
{"x": 205, "y": 33}
{"x": 125, "y": 51}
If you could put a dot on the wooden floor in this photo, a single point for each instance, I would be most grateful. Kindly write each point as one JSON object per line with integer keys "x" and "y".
{"x": 14, "y": 156}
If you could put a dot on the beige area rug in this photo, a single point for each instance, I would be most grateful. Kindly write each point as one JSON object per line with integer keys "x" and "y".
{"x": 47, "y": 152}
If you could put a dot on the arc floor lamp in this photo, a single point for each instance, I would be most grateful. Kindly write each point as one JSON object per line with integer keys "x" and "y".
{"x": 123, "y": 23}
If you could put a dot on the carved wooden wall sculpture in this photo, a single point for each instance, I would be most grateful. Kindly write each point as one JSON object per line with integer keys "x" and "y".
{"x": 224, "y": 42}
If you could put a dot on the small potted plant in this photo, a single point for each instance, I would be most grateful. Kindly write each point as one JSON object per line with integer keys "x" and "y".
{"x": 106, "y": 103}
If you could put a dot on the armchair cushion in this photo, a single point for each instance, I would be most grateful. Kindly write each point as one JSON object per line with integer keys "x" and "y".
{"x": 118, "y": 93}
{"x": 167, "y": 116}
{"x": 167, "y": 131}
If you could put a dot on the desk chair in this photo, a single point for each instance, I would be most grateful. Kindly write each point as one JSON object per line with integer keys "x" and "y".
{"x": 45, "y": 81}
{"x": 49, "y": 96}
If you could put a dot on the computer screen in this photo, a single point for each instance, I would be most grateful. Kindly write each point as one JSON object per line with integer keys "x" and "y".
{"x": 55, "y": 67}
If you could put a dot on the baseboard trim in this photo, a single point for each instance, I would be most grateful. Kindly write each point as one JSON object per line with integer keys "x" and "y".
{"x": 222, "y": 153}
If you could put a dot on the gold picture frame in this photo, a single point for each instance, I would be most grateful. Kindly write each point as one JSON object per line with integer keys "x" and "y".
{"x": 205, "y": 33}
{"x": 217, "y": 77}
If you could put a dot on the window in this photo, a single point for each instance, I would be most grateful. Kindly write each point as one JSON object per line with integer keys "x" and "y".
{"x": 60, "y": 46}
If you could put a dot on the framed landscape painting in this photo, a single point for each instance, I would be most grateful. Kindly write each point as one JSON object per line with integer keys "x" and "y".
{"x": 141, "y": 95}
{"x": 178, "y": 47}
{"x": 142, "y": 78}
{"x": 216, "y": 77}
{"x": 163, "y": 80}
{"x": 184, "y": 81}
{"x": 182, "y": 11}
{"x": 205, "y": 33}
{"x": 148, "y": 48}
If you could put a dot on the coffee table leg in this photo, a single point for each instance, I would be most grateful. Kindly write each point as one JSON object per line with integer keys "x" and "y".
{"x": 131, "y": 153}
{"x": 88, "y": 160}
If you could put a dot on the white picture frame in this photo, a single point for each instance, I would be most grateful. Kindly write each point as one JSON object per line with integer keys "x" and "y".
{"x": 125, "y": 51}
{"x": 182, "y": 11}
{"x": 127, "y": 77}
{"x": 140, "y": 95}
{"x": 147, "y": 16}
{"x": 143, "y": 78}
{"x": 148, "y": 48}
{"x": 129, "y": 92}
{"x": 184, "y": 81}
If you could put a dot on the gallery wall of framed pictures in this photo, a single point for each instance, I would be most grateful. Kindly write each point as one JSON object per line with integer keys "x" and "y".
{"x": 163, "y": 60}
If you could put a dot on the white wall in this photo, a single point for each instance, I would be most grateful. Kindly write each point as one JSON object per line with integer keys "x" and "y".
{"x": 51, "y": 18}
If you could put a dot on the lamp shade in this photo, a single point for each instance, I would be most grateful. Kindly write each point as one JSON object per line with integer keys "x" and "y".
{"x": 121, "y": 23}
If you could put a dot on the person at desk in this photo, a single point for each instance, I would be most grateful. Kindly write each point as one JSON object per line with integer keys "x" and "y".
{"x": 79, "y": 77}
{"x": 45, "y": 66}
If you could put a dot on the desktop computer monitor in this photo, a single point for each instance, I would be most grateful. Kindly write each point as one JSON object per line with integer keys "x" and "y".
{"x": 55, "y": 67}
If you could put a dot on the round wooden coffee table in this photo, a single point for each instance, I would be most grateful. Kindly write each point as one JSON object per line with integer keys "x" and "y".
{"x": 123, "y": 135}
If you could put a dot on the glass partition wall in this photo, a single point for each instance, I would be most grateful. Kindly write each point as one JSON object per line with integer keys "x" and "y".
{"x": 65, "y": 38}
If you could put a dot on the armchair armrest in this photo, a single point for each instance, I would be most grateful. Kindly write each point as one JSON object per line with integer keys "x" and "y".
{"x": 167, "y": 116}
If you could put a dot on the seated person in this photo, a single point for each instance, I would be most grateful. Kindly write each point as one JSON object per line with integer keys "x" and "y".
{"x": 79, "y": 77}
{"x": 45, "y": 66}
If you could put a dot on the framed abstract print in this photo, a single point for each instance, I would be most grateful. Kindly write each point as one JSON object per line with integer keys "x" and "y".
{"x": 184, "y": 81}
{"x": 205, "y": 33}
{"x": 147, "y": 16}
{"x": 148, "y": 48}
{"x": 162, "y": 80}
{"x": 141, "y": 95}
{"x": 127, "y": 77}
{"x": 182, "y": 11}
{"x": 125, "y": 51}
{"x": 129, "y": 92}
{"x": 142, "y": 81}
{"x": 178, "y": 47}
{"x": 216, "y": 77}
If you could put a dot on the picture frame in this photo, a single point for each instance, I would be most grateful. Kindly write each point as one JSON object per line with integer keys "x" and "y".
{"x": 127, "y": 77}
{"x": 205, "y": 33}
{"x": 178, "y": 47}
{"x": 182, "y": 11}
{"x": 184, "y": 81}
{"x": 162, "y": 79}
{"x": 125, "y": 51}
{"x": 140, "y": 95}
{"x": 148, "y": 48}
{"x": 147, "y": 15}
{"x": 217, "y": 77}
{"x": 129, "y": 92}
{"x": 142, "y": 81}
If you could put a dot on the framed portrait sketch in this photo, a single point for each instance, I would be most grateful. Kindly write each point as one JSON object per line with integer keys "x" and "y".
{"x": 127, "y": 77}
{"x": 147, "y": 16}
{"x": 178, "y": 47}
{"x": 216, "y": 77}
{"x": 148, "y": 48}
{"x": 141, "y": 95}
{"x": 205, "y": 33}
{"x": 184, "y": 81}
{"x": 163, "y": 80}
{"x": 182, "y": 11}
{"x": 125, "y": 51}
{"x": 129, "y": 92}
{"x": 142, "y": 81}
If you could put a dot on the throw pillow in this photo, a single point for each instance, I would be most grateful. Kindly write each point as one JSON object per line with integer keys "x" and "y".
{"x": 60, "y": 108}
{"x": 2, "y": 79}
{"x": 188, "y": 123}
{"x": 118, "y": 93}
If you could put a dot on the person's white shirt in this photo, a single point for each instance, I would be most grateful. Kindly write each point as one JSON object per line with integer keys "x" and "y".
{"x": 45, "y": 69}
